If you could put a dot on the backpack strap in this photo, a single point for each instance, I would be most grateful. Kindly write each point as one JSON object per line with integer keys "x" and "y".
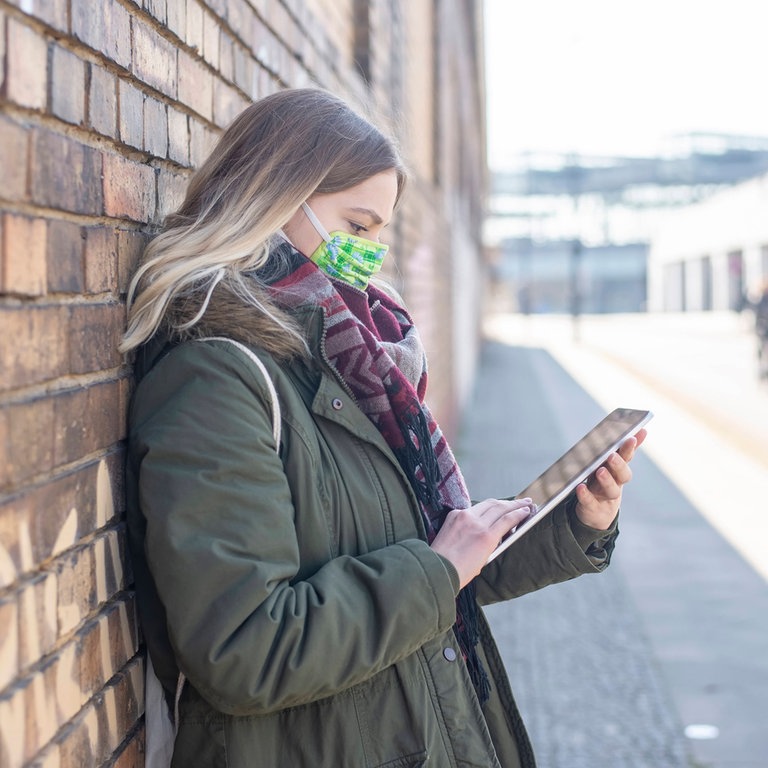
{"x": 276, "y": 425}
{"x": 160, "y": 746}
{"x": 254, "y": 358}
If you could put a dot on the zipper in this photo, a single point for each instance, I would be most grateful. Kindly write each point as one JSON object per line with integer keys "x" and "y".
{"x": 327, "y": 361}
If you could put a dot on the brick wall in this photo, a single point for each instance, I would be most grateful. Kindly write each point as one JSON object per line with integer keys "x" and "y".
{"x": 105, "y": 107}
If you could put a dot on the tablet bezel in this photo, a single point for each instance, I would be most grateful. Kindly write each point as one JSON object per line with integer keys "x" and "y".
{"x": 631, "y": 422}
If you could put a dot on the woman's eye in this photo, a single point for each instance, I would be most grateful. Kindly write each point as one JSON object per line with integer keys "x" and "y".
{"x": 357, "y": 228}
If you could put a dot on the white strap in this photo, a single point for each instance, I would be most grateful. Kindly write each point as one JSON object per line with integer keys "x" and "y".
{"x": 276, "y": 425}
{"x": 276, "y": 419}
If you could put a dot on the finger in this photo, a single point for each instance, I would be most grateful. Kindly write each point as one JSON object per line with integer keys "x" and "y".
{"x": 510, "y": 520}
{"x": 631, "y": 444}
{"x": 627, "y": 448}
{"x": 583, "y": 495}
{"x": 618, "y": 469}
{"x": 605, "y": 487}
{"x": 499, "y": 507}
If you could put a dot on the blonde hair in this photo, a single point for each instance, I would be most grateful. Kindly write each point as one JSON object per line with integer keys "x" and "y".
{"x": 275, "y": 155}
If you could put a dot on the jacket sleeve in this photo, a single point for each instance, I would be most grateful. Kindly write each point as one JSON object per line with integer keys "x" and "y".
{"x": 557, "y": 548}
{"x": 222, "y": 548}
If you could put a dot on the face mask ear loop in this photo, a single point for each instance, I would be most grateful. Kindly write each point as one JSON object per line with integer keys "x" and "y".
{"x": 321, "y": 230}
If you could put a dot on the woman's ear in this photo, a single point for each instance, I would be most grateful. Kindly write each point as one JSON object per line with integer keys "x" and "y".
{"x": 301, "y": 234}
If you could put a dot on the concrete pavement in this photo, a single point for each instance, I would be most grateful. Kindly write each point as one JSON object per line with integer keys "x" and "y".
{"x": 632, "y": 667}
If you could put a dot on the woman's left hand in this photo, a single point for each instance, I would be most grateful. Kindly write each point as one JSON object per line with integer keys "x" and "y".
{"x": 600, "y": 497}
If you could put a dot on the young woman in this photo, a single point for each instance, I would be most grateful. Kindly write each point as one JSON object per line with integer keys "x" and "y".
{"x": 319, "y": 589}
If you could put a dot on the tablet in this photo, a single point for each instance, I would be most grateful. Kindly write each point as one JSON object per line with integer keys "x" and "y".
{"x": 574, "y": 467}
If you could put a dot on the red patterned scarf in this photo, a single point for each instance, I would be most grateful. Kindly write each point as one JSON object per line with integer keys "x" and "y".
{"x": 374, "y": 348}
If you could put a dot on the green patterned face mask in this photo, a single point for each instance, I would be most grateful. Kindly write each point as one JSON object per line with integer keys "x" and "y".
{"x": 346, "y": 257}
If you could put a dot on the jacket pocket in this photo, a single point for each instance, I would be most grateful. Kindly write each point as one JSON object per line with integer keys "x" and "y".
{"x": 322, "y": 734}
{"x": 418, "y": 760}
{"x": 398, "y": 722}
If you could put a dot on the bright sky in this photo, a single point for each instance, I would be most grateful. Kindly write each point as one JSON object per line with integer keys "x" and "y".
{"x": 621, "y": 76}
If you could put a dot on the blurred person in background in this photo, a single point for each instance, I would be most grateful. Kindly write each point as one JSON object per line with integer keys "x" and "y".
{"x": 761, "y": 329}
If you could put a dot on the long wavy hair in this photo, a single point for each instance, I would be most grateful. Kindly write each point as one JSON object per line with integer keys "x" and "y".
{"x": 275, "y": 155}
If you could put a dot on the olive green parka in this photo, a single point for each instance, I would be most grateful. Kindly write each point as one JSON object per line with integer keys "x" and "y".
{"x": 295, "y": 589}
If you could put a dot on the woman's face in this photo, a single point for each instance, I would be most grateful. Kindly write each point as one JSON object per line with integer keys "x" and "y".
{"x": 363, "y": 210}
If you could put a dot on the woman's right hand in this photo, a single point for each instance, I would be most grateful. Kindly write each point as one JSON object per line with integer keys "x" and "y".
{"x": 469, "y": 536}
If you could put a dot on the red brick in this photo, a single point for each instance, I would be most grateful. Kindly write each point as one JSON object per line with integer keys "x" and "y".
{"x": 55, "y": 516}
{"x": 177, "y": 19}
{"x": 67, "y": 86}
{"x": 53, "y": 697}
{"x": 14, "y": 157}
{"x": 82, "y": 744}
{"x": 100, "y": 260}
{"x": 98, "y": 734}
{"x": 227, "y": 103}
{"x": 130, "y": 246}
{"x": 76, "y": 587}
{"x": 131, "y": 101}
{"x": 102, "y": 101}
{"x": 178, "y": 137}
{"x": 201, "y": 141}
{"x": 211, "y": 40}
{"x": 195, "y": 85}
{"x": 27, "y": 63}
{"x": 284, "y": 26}
{"x": 33, "y": 345}
{"x": 23, "y": 256}
{"x": 218, "y": 8}
{"x": 106, "y": 645}
{"x": 194, "y": 33}
{"x": 67, "y": 692}
{"x": 30, "y": 439}
{"x": 85, "y": 421}
{"x": 157, "y": 8}
{"x": 245, "y": 71}
{"x": 110, "y": 558}
{"x": 99, "y": 729}
{"x": 155, "y": 127}
{"x": 241, "y": 17}
{"x": 154, "y": 59}
{"x": 128, "y": 688}
{"x": 126, "y": 391}
{"x": 264, "y": 44}
{"x": 51, "y": 12}
{"x": 37, "y": 619}
{"x": 226, "y": 61}
{"x": 129, "y": 189}
{"x": 95, "y": 331}
{"x": 13, "y": 735}
{"x": 9, "y": 640}
{"x": 132, "y": 754}
{"x": 2, "y": 52}
{"x": 105, "y": 26}
{"x": 5, "y": 468}
{"x": 171, "y": 188}
{"x": 64, "y": 262}
{"x": 55, "y": 183}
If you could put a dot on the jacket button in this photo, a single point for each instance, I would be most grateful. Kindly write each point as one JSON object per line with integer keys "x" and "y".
{"x": 450, "y": 654}
{"x": 337, "y": 404}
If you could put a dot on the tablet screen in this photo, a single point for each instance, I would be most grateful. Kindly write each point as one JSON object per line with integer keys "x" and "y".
{"x": 575, "y": 466}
